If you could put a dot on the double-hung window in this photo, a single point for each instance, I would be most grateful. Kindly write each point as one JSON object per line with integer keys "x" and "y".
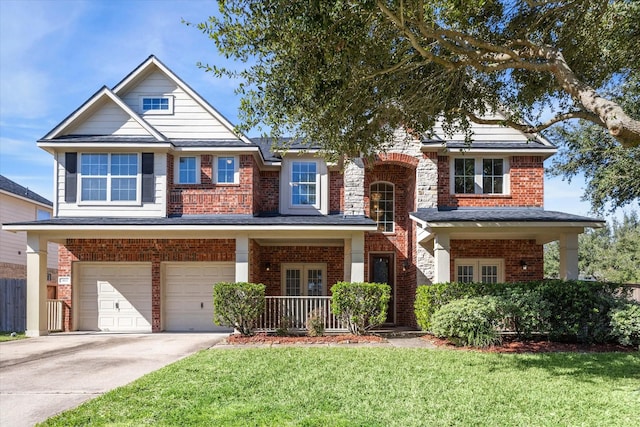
{"x": 304, "y": 183}
{"x": 479, "y": 176}
{"x": 188, "y": 170}
{"x": 109, "y": 177}
{"x": 226, "y": 170}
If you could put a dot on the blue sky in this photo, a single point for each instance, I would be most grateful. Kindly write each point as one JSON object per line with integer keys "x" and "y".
{"x": 55, "y": 54}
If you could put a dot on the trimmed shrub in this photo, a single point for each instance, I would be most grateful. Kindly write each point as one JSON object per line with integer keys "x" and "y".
{"x": 238, "y": 305}
{"x": 315, "y": 323}
{"x": 523, "y": 311}
{"x": 362, "y": 306}
{"x": 625, "y": 324}
{"x": 430, "y": 298}
{"x": 579, "y": 311}
{"x": 468, "y": 321}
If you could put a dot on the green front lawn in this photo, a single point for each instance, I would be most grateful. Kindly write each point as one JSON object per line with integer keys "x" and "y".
{"x": 6, "y": 336}
{"x": 375, "y": 387}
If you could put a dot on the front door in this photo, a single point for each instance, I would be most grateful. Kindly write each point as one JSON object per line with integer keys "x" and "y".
{"x": 381, "y": 271}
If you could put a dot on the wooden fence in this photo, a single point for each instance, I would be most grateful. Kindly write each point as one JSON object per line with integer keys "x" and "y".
{"x": 13, "y": 305}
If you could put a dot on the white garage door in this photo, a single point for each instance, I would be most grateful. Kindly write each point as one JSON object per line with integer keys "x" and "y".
{"x": 188, "y": 295}
{"x": 114, "y": 297}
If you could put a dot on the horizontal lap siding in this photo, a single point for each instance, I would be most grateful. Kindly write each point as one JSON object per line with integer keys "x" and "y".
{"x": 109, "y": 119}
{"x": 190, "y": 119}
{"x": 155, "y": 251}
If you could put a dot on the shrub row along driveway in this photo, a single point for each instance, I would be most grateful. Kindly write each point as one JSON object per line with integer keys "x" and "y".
{"x": 42, "y": 376}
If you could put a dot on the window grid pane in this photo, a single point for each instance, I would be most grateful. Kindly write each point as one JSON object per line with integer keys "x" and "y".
{"x": 489, "y": 274}
{"x": 492, "y": 176}
{"x": 187, "y": 170}
{"x": 303, "y": 180}
{"x": 94, "y": 167}
{"x": 94, "y": 188}
{"x": 226, "y": 170}
{"x": 292, "y": 282}
{"x": 314, "y": 283}
{"x": 381, "y": 206}
{"x": 155, "y": 104}
{"x": 464, "y": 176}
{"x": 465, "y": 273}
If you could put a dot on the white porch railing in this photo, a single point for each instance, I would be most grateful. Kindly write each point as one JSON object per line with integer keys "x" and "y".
{"x": 292, "y": 312}
{"x": 54, "y": 315}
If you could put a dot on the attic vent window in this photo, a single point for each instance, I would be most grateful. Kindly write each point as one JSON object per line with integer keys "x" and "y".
{"x": 156, "y": 104}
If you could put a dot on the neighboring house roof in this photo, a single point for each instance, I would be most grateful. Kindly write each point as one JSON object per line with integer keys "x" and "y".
{"x": 467, "y": 215}
{"x": 12, "y": 187}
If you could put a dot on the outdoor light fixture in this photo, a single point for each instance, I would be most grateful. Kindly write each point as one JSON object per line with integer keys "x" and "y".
{"x": 267, "y": 266}
{"x": 524, "y": 265}
{"x": 405, "y": 265}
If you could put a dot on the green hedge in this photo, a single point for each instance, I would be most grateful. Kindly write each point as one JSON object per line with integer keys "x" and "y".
{"x": 565, "y": 310}
{"x": 362, "y": 306}
{"x": 468, "y": 321}
{"x": 238, "y": 305}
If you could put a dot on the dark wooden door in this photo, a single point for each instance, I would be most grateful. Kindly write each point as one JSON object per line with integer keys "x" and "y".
{"x": 381, "y": 271}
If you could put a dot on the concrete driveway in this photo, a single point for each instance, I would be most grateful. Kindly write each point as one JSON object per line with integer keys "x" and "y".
{"x": 40, "y": 377}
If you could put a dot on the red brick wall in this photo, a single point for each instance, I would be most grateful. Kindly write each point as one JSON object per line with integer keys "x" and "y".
{"x": 336, "y": 192}
{"x": 209, "y": 197}
{"x": 154, "y": 251}
{"x": 333, "y": 256}
{"x": 269, "y": 191}
{"x": 526, "y": 186}
{"x": 512, "y": 251}
{"x": 400, "y": 242}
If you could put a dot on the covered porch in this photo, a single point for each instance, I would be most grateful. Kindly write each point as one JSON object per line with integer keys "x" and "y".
{"x": 515, "y": 235}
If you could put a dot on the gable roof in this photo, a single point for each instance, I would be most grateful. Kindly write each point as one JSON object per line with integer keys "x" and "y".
{"x": 9, "y": 186}
{"x": 151, "y": 63}
{"x": 104, "y": 94}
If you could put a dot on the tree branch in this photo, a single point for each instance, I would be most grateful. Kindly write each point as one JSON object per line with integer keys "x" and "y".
{"x": 528, "y": 128}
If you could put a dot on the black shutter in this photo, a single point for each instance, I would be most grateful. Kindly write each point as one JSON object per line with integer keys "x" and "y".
{"x": 70, "y": 177}
{"x": 148, "y": 180}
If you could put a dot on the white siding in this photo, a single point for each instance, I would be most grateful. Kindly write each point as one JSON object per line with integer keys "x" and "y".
{"x": 189, "y": 118}
{"x": 493, "y": 133}
{"x": 109, "y": 119}
{"x": 13, "y": 209}
{"x": 156, "y": 209}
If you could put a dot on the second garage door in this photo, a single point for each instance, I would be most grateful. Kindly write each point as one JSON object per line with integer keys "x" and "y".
{"x": 188, "y": 294}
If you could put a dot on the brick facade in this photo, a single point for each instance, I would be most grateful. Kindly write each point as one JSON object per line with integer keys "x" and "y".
{"x": 526, "y": 186}
{"x": 154, "y": 251}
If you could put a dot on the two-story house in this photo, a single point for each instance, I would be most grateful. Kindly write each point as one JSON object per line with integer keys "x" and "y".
{"x": 157, "y": 198}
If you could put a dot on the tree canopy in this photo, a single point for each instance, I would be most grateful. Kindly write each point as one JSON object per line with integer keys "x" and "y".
{"x": 612, "y": 172}
{"x": 346, "y": 73}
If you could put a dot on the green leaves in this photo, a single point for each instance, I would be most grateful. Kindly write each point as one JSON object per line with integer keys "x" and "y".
{"x": 362, "y": 306}
{"x": 238, "y": 305}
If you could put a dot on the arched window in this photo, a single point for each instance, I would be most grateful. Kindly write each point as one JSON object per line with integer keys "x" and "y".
{"x": 381, "y": 205}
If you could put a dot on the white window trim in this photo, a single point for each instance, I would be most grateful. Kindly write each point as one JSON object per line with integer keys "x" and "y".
{"x": 169, "y": 111}
{"x": 477, "y": 264}
{"x": 322, "y": 185}
{"x": 176, "y": 170}
{"x": 304, "y": 268}
{"x": 506, "y": 183}
{"x": 236, "y": 170}
{"x": 108, "y": 201}
{"x": 393, "y": 204}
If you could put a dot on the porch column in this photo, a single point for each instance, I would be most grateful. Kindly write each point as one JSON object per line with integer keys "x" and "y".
{"x": 242, "y": 258}
{"x": 357, "y": 257}
{"x": 441, "y": 247}
{"x": 36, "y": 286}
{"x": 569, "y": 269}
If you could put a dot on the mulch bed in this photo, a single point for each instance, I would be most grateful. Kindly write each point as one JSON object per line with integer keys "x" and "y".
{"x": 510, "y": 345}
{"x": 328, "y": 339}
